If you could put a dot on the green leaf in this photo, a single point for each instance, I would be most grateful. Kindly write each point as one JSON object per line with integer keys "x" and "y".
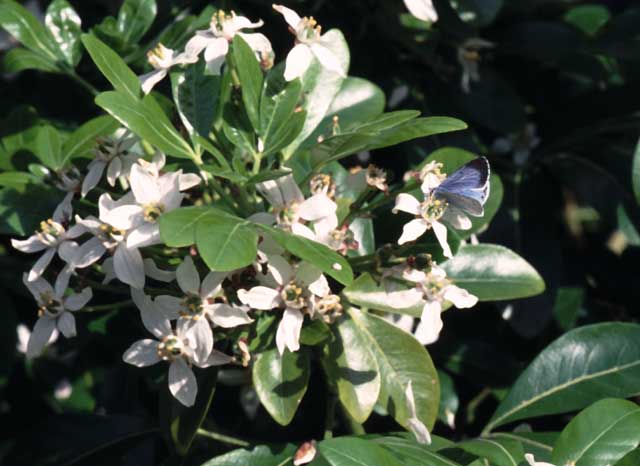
{"x": 540, "y": 444}
{"x": 251, "y": 77}
{"x": 601, "y": 434}
{"x": 493, "y": 273}
{"x": 64, "y": 24}
{"x": 84, "y": 139}
{"x": 281, "y": 382}
{"x": 631, "y": 459}
{"x": 635, "y": 172}
{"x": 17, "y": 180}
{"x": 20, "y": 59}
{"x": 449, "y": 401}
{"x": 260, "y": 456}
{"x": 411, "y": 453}
{"x": 48, "y": 147}
{"x": 358, "y": 101}
{"x": 582, "y": 366}
{"x": 588, "y": 18}
{"x": 277, "y": 106}
{"x": 351, "y": 451}
{"x": 196, "y": 97}
{"x": 226, "y": 242}
{"x": 327, "y": 260}
{"x": 146, "y": 119}
{"x": 135, "y": 18}
{"x": 113, "y": 68}
{"x": 400, "y": 359}
{"x": 180, "y": 423}
{"x": 351, "y": 365}
{"x": 178, "y": 227}
{"x": 320, "y": 86}
{"x": 500, "y": 452}
{"x": 21, "y": 213}
{"x": 568, "y": 305}
{"x": 366, "y": 292}
{"x": 21, "y": 24}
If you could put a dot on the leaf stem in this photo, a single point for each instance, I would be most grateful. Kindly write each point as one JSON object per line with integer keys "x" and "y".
{"x": 223, "y": 438}
{"x": 87, "y": 86}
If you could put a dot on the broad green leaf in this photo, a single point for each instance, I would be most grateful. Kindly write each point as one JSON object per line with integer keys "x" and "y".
{"x": 315, "y": 333}
{"x": 84, "y": 139}
{"x": 449, "y": 400}
{"x": 601, "y": 434}
{"x": 135, "y": 18}
{"x": 178, "y": 227}
{"x": 21, "y": 24}
{"x": 113, "y": 68}
{"x": 400, "y": 359}
{"x": 20, "y": 59}
{"x": 635, "y": 172}
{"x": 568, "y": 305}
{"x": 196, "y": 97}
{"x": 351, "y": 365}
{"x": 588, "y": 18}
{"x": 352, "y": 451}
{"x": 260, "y": 456}
{"x": 493, "y": 273}
{"x": 251, "y": 77}
{"x": 366, "y": 292}
{"x": 320, "y": 86}
{"x": 17, "y": 180}
{"x": 630, "y": 459}
{"x": 500, "y": 452}
{"x": 281, "y": 382}
{"x": 48, "y": 147}
{"x": 64, "y": 24}
{"x": 411, "y": 453}
{"x": 582, "y": 366}
{"x": 180, "y": 423}
{"x": 226, "y": 242}
{"x": 539, "y": 444}
{"x": 358, "y": 101}
{"x": 146, "y": 119}
{"x": 21, "y": 213}
{"x": 327, "y": 260}
{"x": 277, "y": 106}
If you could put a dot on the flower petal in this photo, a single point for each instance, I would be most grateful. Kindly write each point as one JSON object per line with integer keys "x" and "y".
{"x": 41, "y": 334}
{"x": 456, "y": 218}
{"x": 316, "y": 207}
{"x": 227, "y": 316}
{"x": 211, "y": 284}
{"x": 87, "y": 254}
{"x": 77, "y": 301}
{"x": 169, "y": 305}
{"x": 149, "y": 80}
{"x": 29, "y": 245}
{"x": 96, "y": 168}
{"x": 258, "y": 42}
{"x": 215, "y": 54}
{"x": 288, "y": 333}
{"x": 182, "y": 382}
{"x": 151, "y": 270}
{"x": 37, "y": 287}
{"x": 146, "y": 234}
{"x": 188, "y": 277}
{"x": 430, "y": 325}
{"x": 422, "y": 9}
{"x": 41, "y": 264}
{"x": 328, "y": 59}
{"x": 441, "y": 234}
{"x": 142, "y": 353}
{"x": 298, "y": 62}
{"x": 128, "y": 265}
{"x": 144, "y": 185}
{"x": 217, "y": 358}
{"x": 412, "y": 230}
{"x": 460, "y": 297}
{"x": 188, "y": 181}
{"x": 260, "y": 297}
{"x": 114, "y": 170}
{"x": 67, "y": 324}
{"x": 291, "y": 17}
{"x": 201, "y": 339}
{"x": 407, "y": 203}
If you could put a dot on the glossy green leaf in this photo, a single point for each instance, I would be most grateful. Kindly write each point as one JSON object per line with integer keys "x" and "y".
{"x": 226, "y": 242}
{"x": 281, "y": 382}
{"x": 259, "y": 456}
{"x": 22, "y": 212}
{"x": 568, "y": 305}
{"x": 48, "y": 147}
{"x": 64, "y": 24}
{"x": 251, "y": 77}
{"x": 630, "y": 459}
{"x": 17, "y": 180}
{"x": 113, "y": 68}
{"x": 588, "y": 18}
{"x": 135, "y": 18}
{"x": 582, "y": 366}
{"x": 327, "y": 260}
{"x": 146, "y": 119}
{"x": 83, "y": 140}
{"x": 411, "y": 453}
{"x": 366, "y": 292}
{"x": 178, "y": 227}
{"x": 196, "y": 97}
{"x": 501, "y": 452}
{"x": 19, "y": 59}
{"x": 320, "y": 86}
{"x": 277, "y": 106}
{"x": 400, "y": 359}
{"x": 539, "y": 444}
{"x": 493, "y": 273}
{"x": 449, "y": 401}
{"x": 352, "y": 451}
{"x": 351, "y": 365}
{"x": 315, "y": 333}
{"x": 21, "y": 24}
{"x": 601, "y": 434}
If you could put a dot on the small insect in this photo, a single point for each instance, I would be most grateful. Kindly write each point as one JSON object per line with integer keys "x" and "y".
{"x": 467, "y": 188}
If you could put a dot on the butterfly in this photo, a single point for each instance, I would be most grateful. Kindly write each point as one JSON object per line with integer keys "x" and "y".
{"x": 467, "y": 188}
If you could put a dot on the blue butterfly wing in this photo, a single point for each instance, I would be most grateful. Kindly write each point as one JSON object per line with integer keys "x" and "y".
{"x": 468, "y": 187}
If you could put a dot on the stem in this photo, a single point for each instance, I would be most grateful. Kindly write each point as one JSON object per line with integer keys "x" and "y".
{"x": 223, "y": 438}
{"x": 108, "y": 307}
{"x": 83, "y": 83}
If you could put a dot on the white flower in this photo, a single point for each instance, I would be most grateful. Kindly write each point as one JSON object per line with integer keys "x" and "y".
{"x": 151, "y": 270}
{"x": 69, "y": 181}
{"x": 162, "y": 59}
{"x": 215, "y": 40}
{"x": 469, "y": 58}
{"x": 24, "y": 334}
{"x": 531, "y": 460}
{"x": 309, "y": 44}
{"x": 198, "y": 306}
{"x": 422, "y": 9}
{"x": 51, "y": 238}
{"x": 519, "y": 144}
{"x": 113, "y": 154}
{"x": 178, "y": 347}
{"x": 431, "y": 212}
{"x": 289, "y": 287}
{"x": 53, "y": 312}
{"x": 415, "y": 425}
{"x": 436, "y": 289}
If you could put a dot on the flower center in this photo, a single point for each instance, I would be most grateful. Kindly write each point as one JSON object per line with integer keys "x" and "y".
{"x": 111, "y": 233}
{"x": 170, "y": 348}
{"x": 152, "y": 212}
{"x": 433, "y": 287}
{"x": 432, "y": 209}
{"x": 293, "y": 295}
{"x": 191, "y": 306}
{"x": 287, "y": 215}
{"x": 159, "y": 56}
{"x": 50, "y": 231}
{"x": 49, "y": 306}
{"x": 322, "y": 183}
{"x": 308, "y": 30}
